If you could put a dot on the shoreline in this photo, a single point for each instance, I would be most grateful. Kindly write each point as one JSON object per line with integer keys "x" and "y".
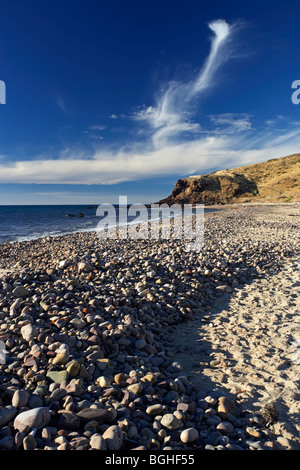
{"x": 210, "y": 208}
{"x": 101, "y": 314}
{"x": 25, "y": 238}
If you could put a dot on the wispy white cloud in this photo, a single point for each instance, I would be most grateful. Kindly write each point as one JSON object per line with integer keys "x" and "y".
{"x": 53, "y": 193}
{"x": 183, "y": 158}
{"x": 60, "y": 102}
{"x": 172, "y": 114}
{"x": 97, "y": 127}
{"x": 175, "y": 144}
{"x": 230, "y": 122}
{"x": 93, "y": 131}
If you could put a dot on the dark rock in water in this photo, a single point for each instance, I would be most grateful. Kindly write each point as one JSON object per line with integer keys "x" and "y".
{"x": 74, "y": 215}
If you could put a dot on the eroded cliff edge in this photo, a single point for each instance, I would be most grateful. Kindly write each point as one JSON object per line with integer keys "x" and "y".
{"x": 276, "y": 180}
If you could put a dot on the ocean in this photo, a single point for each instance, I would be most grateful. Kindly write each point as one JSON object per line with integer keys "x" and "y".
{"x": 21, "y": 223}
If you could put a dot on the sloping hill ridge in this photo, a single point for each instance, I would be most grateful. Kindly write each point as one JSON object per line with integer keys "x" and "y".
{"x": 276, "y": 180}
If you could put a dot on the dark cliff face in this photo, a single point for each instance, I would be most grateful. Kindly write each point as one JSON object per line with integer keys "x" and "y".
{"x": 211, "y": 189}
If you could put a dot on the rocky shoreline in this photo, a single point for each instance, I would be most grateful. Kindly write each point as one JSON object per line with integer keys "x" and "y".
{"x": 86, "y": 325}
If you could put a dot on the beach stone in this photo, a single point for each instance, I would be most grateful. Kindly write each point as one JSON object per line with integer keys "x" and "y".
{"x": 7, "y": 414}
{"x": 95, "y": 414}
{"x": 132, "y": 432}
{"x": 19, "y": 436}
{"x": 113, "y": 437}
{"x": 253, "y": 432}
{"x": 186, "y": 407}
{"x": 20, "y": 291}
{"x": 84, "y": 267}
{"x": 225, "y": 288}
{"x": 69, "y": 421}
{"x": 7, "y": 287}
{"x": 7, "y": 443}
{"x": 95, "y": 355}
{"x": 140, "y": 344}
{"x": 120, "y": 379}
{"x": 175, "y": 367}
{"x": 258, "y": 445}
{"x": 28, "y": 332}
{"x": 73, "y": 369}
{"x": 189, "y": 435}
{"x": 57, "y": 395}
{"x": 171, "y": 396}
{"x": 57, "y": 376}
{"x": 79, "y": 443}
{"x": 75, "y": 387}
{"x": 83, "y": 372}
{"x": 104, "y": 381}
{"x": 225, "y": 427}
{"x": 157, "y": 361}
{"x": 102, "y": 364}
{"x": 29, "y": 443}
{"x": 78, "y": 323}
{"x": 97, "y": 442}
{"x": 135, "y": 388}
{"x": 20, "y": 398}
{"x": 35, "y": 401}
{"x": 61, "y": 358}
{"x": 226, "y": 406}
{"x": 170, "y": 421}
{"x": 16, "y": 304}
{"x": 154, "y": 410}
{"x": 35, "y": 418}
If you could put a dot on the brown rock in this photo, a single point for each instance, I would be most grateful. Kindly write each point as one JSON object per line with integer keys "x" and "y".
{"x": 226, "y": 406}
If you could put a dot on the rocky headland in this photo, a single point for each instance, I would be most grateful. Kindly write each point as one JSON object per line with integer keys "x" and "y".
{"x": 274, "y": 181}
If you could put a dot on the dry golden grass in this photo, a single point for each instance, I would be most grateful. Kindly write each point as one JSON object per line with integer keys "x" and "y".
{"x": 278, "y": 179}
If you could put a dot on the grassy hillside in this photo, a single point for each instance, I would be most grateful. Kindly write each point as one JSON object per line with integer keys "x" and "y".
{"x": 274, "y": 181}
{"x": 277, "y": 180}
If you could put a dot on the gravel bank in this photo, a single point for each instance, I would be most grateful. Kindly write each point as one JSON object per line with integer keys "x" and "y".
{"x": 88, "y": 327}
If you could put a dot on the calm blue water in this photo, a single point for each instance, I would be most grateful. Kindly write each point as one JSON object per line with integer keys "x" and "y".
{"x": 19, "y": 223}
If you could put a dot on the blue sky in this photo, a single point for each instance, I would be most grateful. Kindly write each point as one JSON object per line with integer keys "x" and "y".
{"x": 109, "y": 98}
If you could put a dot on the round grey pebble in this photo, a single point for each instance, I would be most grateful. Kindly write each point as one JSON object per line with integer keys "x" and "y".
{"x": 225, "y": 427}
{"x": 20, "y": 398}
{"x": 189, "y": 435}
{"x": 113, "y": 437}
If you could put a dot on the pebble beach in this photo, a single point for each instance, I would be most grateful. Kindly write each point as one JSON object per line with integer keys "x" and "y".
{"x": 142, "y": 345}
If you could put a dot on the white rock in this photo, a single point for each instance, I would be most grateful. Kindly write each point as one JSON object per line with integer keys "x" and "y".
{"x": 189, "y": 435}
{"x": 35, "y": 418}
{"x": 28, "y": 332}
